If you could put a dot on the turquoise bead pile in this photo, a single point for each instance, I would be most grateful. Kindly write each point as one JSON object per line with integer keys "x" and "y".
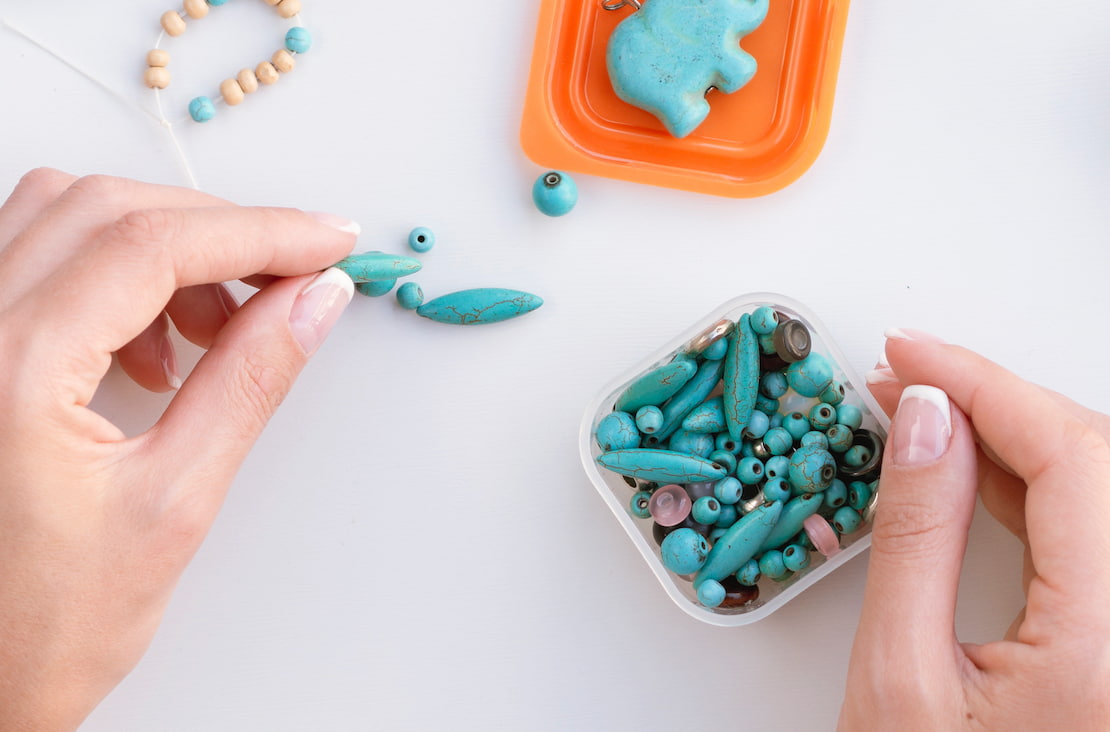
{"x": 754, "y": 428}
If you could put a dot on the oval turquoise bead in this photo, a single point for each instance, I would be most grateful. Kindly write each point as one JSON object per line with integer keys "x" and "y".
{"x": 711, "y": 593}
{"x": 375, "y": 288}
{"x": 709, "y": 416}
{"x": 201, "y": 109}
{"x": 728, "y": 490}
{"x": 812, "y": 469}
{"x": 846, "y": 520}
{"x": 822, "y": 416}
{"x": 859, "y": 493}
{"x": 297, "y": 39}
{"x": 716, "y": 350}
{"x": 810, "y": 376}
{"x": 661, "y": 466}
{"x": 773, "y": 384}
{"x": 749, "y": 470}
{"x": 741, "y": 377}
{"x": 693, "y": 393}
{"x": 479, "y": 306}
{"x": 617, "y": 431}
{"x": 692, "y": 443}
{"x": 758, "y": 424}
{"x": 706, "y": 510}
{"x": 739, "y": 543}
{"x": 649, "y": 419}
{"x": 749, "y": 574}
{"x": 764, "y": 320}
{"x": 772, "y": 566}
{"x": 657, "y": 385}
{"x": 638, "y": 504}
{"x": 370, "y": 266}
{"x": 836, "y": 495}
{"x": 795, "y": 557}
{"x": 409, "y": 296}
{"x": 555, "y": 193}
{"x": 422, "y": 239}
{"x": 850, "y": 416}
{"x": 790, "y": 522}
{"x": 684, "y": 551}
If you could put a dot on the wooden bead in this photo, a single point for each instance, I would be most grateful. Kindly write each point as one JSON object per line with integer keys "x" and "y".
{"x": 266, "y": 73}
{"x": 248, "y": 82}
{"x": 157, "y": 57}
{"x": 231, "y": 92}
{"x": 288, "y": 8}
{"x": 173, "y": 23}
{"x": 196, "y": 8}
{"x": 156, "y": 77}
{"x": 283, "y": 61}
{"x": 272, "y": 2}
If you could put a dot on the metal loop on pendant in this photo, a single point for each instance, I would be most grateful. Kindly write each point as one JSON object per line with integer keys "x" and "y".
{"x": 618, "y": 4}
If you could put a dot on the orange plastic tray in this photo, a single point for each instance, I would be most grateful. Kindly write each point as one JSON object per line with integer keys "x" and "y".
{"x": 754, "y": 142}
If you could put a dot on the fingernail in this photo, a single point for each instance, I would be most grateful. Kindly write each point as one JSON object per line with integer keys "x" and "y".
{"x": 922, "y": 426}
{"x": 336, "y": 222}
{"x": 883, "y": 362}
{"x": 319, "y": 305}
{"x": 227, "y": 300}
{"x": 880, "y": 376}
{"x": 911, "y": 334}
{"x": 168, "y": 358}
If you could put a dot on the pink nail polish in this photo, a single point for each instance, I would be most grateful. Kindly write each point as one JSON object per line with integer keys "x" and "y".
{"x": 319, "y": 305}
{"x": 922, "y": 426}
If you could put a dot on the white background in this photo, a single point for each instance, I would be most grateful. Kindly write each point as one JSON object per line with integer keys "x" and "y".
{"x": 413, "y": 544}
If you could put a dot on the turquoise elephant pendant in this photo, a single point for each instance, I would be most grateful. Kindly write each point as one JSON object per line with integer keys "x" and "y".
{"x": 667, "y": 55}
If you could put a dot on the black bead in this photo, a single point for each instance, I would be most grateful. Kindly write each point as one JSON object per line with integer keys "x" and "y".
{"x": 869, "y": 470}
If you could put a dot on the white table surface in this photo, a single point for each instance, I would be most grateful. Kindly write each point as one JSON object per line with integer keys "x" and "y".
{"x": 413, "y": 544}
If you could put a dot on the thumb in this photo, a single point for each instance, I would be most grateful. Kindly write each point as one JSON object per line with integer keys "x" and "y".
{"x": 926, "y": 501}
{"x": 225, "y": 403}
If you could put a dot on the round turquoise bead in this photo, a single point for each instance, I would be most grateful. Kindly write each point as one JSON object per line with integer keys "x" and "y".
{"x": 706, "y": 510}
{"x": 795, "y": 557}
{"x": 617, "y": 431}
{"x": 298, "y": 40}
{"x": 833, "y": 393}
{"x": 850, "y": 416}
{"x": 856, "y": 456}
{"x": 859, "y": 493}
{"x": 811, "y": 469}
{"x": 728, "y": 516}
{"x": 810, "y": 376}
{"x": 764, "y": 320}
{"x": 421, "y": 239}
{"x": 776, "y": 489}
{"x": 216, "y": 3}
{"x": 766, "y": 343}
{"x": 758, "y": 424}
{"x": 749, "y": 470}
{"x": 846, "y": 520}
{"x": 554, "y": 193}
{"x": 775, "y": 417}
{"x": 728, "y": 490}
{"x": 375, "y": 288}
{"x": 638, "y": 504}
{"x": 836, "y": 495}
{"x": 776, "y": 467}
{"x": 773, "y": 384}
{"x": 822, "y": 416}
{"x": 716, "y": 350}
{"x": 725, "y": 441}
{"x": 813, "y": 437}
{"x": 772, "y": 565}
{"x": 410, "y": 296}
{"x": 778, "y": 440}
{"x": 684, "y": 551}
{"x": 649, "y": 419}
{"x": 725, "y": 459}
{"x": 768, "y": 406}
{"x": 840, "y": 438}
{"x": 749, "y": 574}
{"x": 711, "y": 593}
{"x": 796, "y": 424}
{"x": 201, "y": 109}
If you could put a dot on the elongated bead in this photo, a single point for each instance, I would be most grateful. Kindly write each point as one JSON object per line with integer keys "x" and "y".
{"x": 657, "y": 385}
{"x": 709, "y": 416}
{"x": 479, "y": 306}
{"x": 739, "y": 543}
{"x": 695, "y": 391}
{"x": 790, "y": 522}
{"x": 741, "y": 377}
{"x": 661, "y": 466}
{"x": 378, "y": 266}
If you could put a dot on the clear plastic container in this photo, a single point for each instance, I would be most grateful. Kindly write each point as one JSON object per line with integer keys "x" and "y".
{"x": 617, "y": 492}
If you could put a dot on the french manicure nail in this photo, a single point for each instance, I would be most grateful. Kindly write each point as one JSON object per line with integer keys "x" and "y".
{"x": 922, "y": 426}
{"x": 910, "y": 334}
{"x": 882, "y": 375}
{"x": 336, "y": 222}
{"x": 167, "y": 356}
{"x": 883, "y": 362}
{"x": 318, "y": 306}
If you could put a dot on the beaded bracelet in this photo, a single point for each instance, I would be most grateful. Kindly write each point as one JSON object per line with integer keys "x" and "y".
{"x": 232, "y": 91}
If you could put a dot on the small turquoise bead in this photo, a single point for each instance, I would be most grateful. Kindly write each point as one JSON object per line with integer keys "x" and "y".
{"x": 796, "y": 424}
{"x": 766, "y": 343}
{"x": 846, "y": 520}
{"x": 201, "y": 109}
{"x": 836, "y": 495}
{"x": 638, "y": 504}
{"x": 856, "y": 456}
{"x": 764, "y": 320}
{"x": 727, "y": 517}
{"x": 421, "y": 239}
{"x": 216, "y": 3}
{"x": 768, "y": 406}
{"x": 859, "y": 493}
{"x": 822, "y": 416}
{"x": 811, "y": 469}
{"x": 850, "y": 416}
{"x": 840, "y": 438}
{"x": 554, "y": 193}
{"x": 810, "y": 376}
{"x": 749, "y": 574}
{"x": 649, "y": 419}
{"x": 716, "y": 533}
{"x": 410, "y": 296}
{"x": 776, "y": 467}
{"x": 795, "y": 557}
{"x": 728, "y": 490}
{"x": 773, "y": 384}
{"x": 772, "y": 565}
{"x": 775, "y": 418}
{"x": 706, "y": 510}
{"x": 711, "y": 593}
{"x": 725, "y": 458}
{"x": 375, "y": 288}
{"x": 617, "y": 431}
{"x": 298, "y": 40}
{"x": 684, "y": 551}
{"x": 833, "y": 393}
{"x": 778, "y": 440}
{"x": 725, "y": 441}
{"x": 716, "y": 350}
{"x": 758, "y": 424}
{"x": 692, "y": 443}
{"x": 749, "y": 470}
{"x": 813, "y": 437}
{"x": 776, "y": 489}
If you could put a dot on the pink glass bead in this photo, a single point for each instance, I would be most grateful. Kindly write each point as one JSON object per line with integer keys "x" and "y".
{"x": 822, "y": 535}
{"x": 670, "y": 505}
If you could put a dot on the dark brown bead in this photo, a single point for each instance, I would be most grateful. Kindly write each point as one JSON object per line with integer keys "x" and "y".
{"x": 737, "y": 594}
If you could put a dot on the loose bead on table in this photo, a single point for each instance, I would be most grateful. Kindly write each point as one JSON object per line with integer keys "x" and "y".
{"x": 410, "y": 296}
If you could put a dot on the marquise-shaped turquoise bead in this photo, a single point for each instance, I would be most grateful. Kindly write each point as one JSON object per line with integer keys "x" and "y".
{"x": 479, "y": 306}
{"x": 794, "y": 513}
{"x": 661, "y": 466}
{"x": 656, "y": 386}
{"x": 741, "y": 379}
{"x": 372, "y": 266}
{"x": 740, "y": 543}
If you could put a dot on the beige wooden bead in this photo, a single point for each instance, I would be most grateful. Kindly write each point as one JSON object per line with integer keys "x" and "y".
{"x": 272, "y": 2}
{"x": 288, "y": 8}
{"x": 266, "y": 73}
{"x": 173, "y": 23}
{"x": 196, "y": 8}
{"x": 231, "y": 92}
{"x": 248, "y": 82}
{"x": 156, "y": 77}
{"x": 157, "y": 57}
{"x": 283, "y": 61}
